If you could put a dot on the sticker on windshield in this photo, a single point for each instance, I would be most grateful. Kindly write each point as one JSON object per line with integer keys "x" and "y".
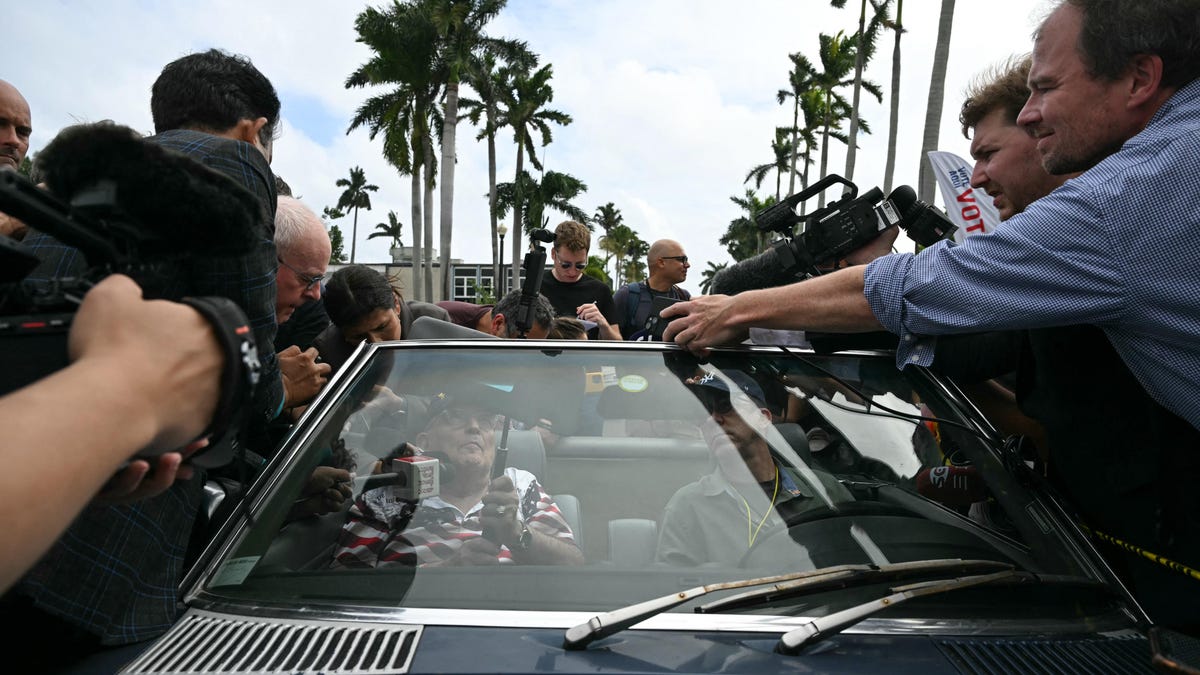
{"x": 633, "y": 384}
{"x": 234, "y": 572}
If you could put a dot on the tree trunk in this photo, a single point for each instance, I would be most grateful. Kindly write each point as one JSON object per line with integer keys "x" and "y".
{"x": 824, "y": 151}
{"x": 933, "y": 109}
{"x": 795, "y": 143}
{"x": 893, "y": 123}
{"x": 417, "y": 251}
{"x": 449, "y": 129}
{"x": 354, "y": 236}
{"x": 427, "y": 142}
{"x": 852, "y": 146}
{"x": 496, "y": 245}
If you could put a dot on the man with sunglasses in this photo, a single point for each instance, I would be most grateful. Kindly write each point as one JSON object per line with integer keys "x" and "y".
{"x": 474, "y": 519}
{"x": 634, "y": 302}
{"x": 718, "y": 518}
{"x": 572, "y": 292}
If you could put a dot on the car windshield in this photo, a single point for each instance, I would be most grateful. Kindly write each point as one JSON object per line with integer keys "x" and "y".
{"x": 584, "y": 477}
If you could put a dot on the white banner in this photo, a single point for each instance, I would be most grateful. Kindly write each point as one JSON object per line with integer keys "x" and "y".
{"x": 970, "y": 209}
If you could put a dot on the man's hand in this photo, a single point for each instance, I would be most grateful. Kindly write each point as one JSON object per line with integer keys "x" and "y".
{"x": 174, "y": 389}
{"x": 876, "y": 248}
{"x": 303, "y": 376}
{"x": 499, "y": 513}
{"x": 590, "y": 312}
{"x": 325, "y": 492}
{"x": 702, "y": 322}
{"x": 13, "y": 228}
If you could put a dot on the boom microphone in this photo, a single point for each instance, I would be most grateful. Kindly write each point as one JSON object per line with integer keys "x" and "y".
{"x": 764, "y": 270}
{"x": 169, "y": 203}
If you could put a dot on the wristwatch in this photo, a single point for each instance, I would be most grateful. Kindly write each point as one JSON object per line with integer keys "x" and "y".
{"x": 526, "y": 539}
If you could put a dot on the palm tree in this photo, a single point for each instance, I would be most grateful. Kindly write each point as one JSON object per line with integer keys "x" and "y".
{"x": 461, "y": 44}
{"x": 893, "y": 122}
{"x": 403, "y": 43}
{"x": 742, "y": 236}
{"x": 837, "y": 59}
{"x": 933, "y": 108}
{"x": 555, "y": 190}
{"x": 608, "y": 217}
{"x": 864, "y": 49}
{"x": 800, "y": 82}
{"x": 784, "y": 152}
{"x": 393, "y": 229}
{"x": 526, "y": 114}
{"x": 357, "y": 195}
{"x": 636, "y": 269}
{"x": 708, "y": 274}
{"x": 488, "y": 80}
{"x": 616, "y": 244}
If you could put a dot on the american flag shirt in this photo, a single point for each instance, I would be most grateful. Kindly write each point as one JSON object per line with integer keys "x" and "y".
{"x": 383, "y": 529}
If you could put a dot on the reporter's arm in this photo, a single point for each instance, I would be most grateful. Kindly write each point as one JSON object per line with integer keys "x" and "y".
{"x": 832, "y": 303}
{"x": 144, "y": 375}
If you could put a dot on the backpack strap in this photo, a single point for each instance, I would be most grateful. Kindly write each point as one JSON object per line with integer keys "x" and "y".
{"x": 632, "y": 302}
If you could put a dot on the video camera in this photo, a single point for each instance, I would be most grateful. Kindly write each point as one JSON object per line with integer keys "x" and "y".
{"x": 132, "y": 208}
{"x": 847, "y": 224}
{"x": 534, "y": 266}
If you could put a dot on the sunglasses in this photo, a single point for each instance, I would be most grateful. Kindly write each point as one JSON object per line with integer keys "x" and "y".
{"x": 681, "y": 258}
{"x": 309, "y": 281}
{"x": 567, "y": 265}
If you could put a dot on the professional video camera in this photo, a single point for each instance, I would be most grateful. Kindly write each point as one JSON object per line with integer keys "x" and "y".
{"x": 847, "y": 224}
{"x": 134, "y": 208}
{"x": 534, "y": 266}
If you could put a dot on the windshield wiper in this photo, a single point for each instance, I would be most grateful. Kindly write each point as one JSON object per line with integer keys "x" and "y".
{"x": 603, "y": 625}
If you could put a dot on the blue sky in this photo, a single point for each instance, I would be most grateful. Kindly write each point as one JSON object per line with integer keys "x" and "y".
{"x": 673, "y": 100}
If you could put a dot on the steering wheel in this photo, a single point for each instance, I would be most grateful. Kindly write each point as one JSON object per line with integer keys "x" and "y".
{"x": 792, "y": 519}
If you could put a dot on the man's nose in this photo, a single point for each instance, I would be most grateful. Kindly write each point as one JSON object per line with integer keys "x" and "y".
{"x": 9, "y": 136}
{"x": 312, "y": 293}
{"x": 1030, "y": 115}
{"x": 979, "y": 177}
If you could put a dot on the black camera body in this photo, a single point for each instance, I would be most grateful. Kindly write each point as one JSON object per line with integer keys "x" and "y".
{"x": 105, "y": 225}
{"x": 845, "y": 225}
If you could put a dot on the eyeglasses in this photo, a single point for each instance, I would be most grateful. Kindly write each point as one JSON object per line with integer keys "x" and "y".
{"x": 309, "y": 281}
{"x": 681, "y": 258}
{"x": 460, "y": 418}
{"x": 567, "y": 265}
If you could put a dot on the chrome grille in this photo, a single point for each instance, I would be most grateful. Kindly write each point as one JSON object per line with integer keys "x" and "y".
{"x": 204, "y": 642}
{"x": 1117, "y": 655}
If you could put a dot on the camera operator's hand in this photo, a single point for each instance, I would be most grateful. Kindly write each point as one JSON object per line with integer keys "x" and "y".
{"x": 325, "y": 492}
{"x": 702, "y": 322}
{"x": 167, "y": 355}
{"x": 11, "y": 227}
{"x": 303, "y": 375}
{"x": 876, "y": 248}
{"x": 144, "y": 478}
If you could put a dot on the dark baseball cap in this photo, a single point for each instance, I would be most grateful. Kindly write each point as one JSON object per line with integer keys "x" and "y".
{"x": 714, "y": 382}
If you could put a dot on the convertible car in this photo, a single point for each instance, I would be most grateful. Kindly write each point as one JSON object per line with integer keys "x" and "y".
{"x": 486, "y": 506}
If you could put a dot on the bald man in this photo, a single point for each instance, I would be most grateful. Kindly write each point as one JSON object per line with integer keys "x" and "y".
{"x": 15, "y": 127}
{"x": 668, "y": 266}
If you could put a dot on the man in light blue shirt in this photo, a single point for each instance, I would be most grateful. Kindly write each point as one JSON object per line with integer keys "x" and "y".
{"x": 1114, "y": 94}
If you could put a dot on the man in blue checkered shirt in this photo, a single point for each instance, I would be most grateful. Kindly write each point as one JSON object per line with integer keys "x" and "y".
{"x": 1115, "y": 95}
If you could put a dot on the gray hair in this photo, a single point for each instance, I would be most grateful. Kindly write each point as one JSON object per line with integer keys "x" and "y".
{"x": 293, "y": 222}
{"x": 543, "y": 312}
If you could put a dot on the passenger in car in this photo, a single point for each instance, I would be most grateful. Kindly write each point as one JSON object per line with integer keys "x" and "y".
{"x": 474, "y": 520}
{"x": 718, "y": 518}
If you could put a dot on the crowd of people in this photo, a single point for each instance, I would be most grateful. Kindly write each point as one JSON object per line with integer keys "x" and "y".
{"x": 1086, "y": 293}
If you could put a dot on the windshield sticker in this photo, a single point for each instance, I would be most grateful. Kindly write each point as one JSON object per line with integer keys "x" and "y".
{"x": 610, "y": 375}
{"x": 633, "y": 384}
{"x": 234, "y": 572}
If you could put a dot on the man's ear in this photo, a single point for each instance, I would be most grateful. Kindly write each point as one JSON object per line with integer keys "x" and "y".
{"x": 1145, "y": 72}
{"x": 498, "y": 325}
{"x": 248, "y": 130}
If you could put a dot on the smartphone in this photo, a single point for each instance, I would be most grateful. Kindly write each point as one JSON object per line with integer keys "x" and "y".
{"x": 656, "y": 324}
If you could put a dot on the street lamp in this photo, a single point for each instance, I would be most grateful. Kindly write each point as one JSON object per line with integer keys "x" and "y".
{"x": 502, "y": 230}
